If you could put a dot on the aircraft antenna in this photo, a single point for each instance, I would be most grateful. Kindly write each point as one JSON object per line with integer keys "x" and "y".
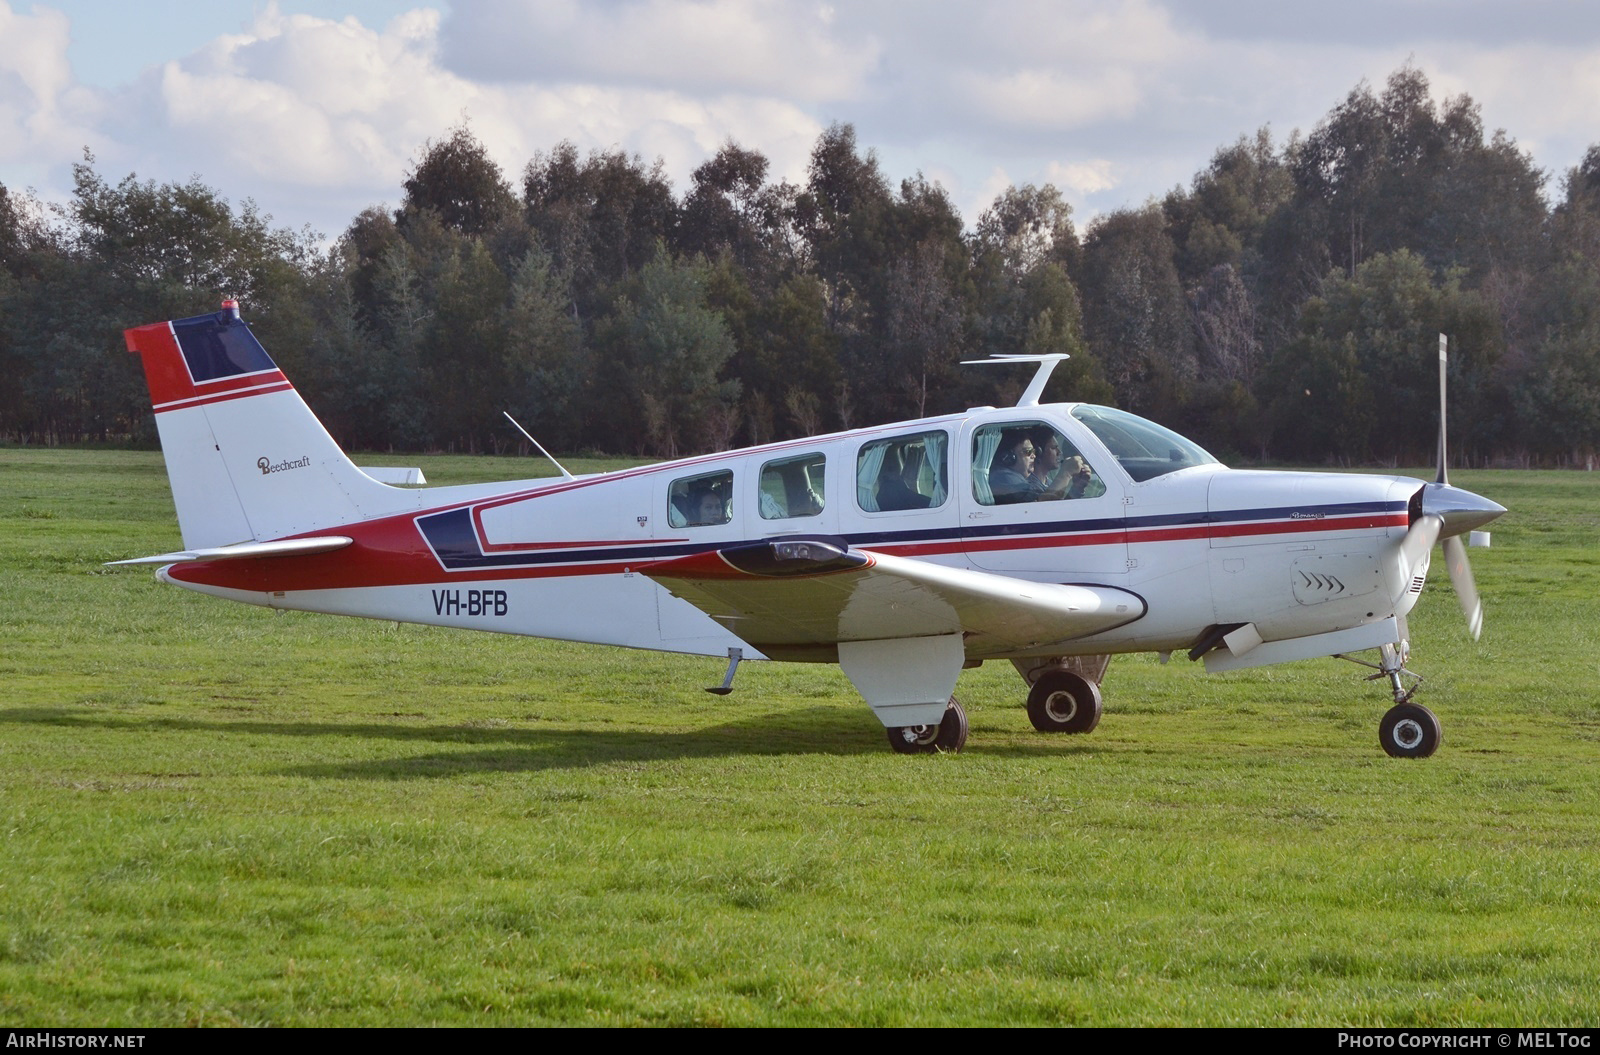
{"x": 559, "y": 467}
{"x": 1047, "y": 363}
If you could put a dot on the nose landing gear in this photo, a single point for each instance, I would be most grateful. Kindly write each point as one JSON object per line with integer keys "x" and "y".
{"x": 1408, "y": 730}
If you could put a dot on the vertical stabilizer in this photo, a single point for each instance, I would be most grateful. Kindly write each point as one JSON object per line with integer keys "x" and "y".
{"x": 247, "y": 459}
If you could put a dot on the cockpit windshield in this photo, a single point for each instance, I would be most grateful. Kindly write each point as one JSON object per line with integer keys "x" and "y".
{"x": 1145, "y": 449}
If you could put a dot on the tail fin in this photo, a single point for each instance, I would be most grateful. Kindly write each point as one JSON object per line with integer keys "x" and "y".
{"x": 247, "y": 459}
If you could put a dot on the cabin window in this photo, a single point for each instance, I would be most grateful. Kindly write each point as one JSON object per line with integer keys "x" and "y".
{"x": 1029, "y": 461}
{"x": 906, "y": 472}
{"x": 701, "y": 501}
{"x": 1146, "y": 450}
{"x": 793, "y": 487}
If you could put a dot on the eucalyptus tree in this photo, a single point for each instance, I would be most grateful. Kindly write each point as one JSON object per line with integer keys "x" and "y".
{"x": 457, "y": 181}
{"x": 1135, "y": 314}
{"x": 664, "y": 350}
{"x": 600, "y": 218}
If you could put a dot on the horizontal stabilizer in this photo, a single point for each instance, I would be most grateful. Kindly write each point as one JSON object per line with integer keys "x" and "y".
{"x": 394, "y": 476}
{"x": 294, "y": 547}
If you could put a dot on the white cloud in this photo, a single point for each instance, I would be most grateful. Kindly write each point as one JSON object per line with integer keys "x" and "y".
{"x": 298, "y": 109}
{"x": 984, "y": 196}
{"x": 1050, "y": 99}
{"x": 1120, "y": 34}
{"x": 33, "y": 51}
{"x": 1081, "y": 178}
{"x": 1544, "y": 96}
{"x": 1114, "y": 101}
{"x": 719, "y": 46}
{"x": 42, "y": 111}
{"x": 306, "y": 101}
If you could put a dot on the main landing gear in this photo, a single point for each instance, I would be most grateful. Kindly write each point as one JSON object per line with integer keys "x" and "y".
{"x": 1064, "y": 702}
{"x": 1408, "y": 730}
{"x": 1064, "y": 692}
{"x": 950, "y": 735}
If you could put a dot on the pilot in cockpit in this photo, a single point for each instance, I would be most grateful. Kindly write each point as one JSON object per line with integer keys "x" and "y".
{"x": 1053, "y": 476}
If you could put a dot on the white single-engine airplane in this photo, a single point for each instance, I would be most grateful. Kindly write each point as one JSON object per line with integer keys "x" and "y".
{"x": 1052, "y": 536}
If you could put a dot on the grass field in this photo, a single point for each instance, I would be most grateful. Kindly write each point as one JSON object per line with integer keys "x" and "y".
{"x": 212, "y": 814}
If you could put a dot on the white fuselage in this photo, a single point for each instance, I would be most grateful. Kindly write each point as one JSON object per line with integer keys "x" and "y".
{"x": 1295, "y": 554}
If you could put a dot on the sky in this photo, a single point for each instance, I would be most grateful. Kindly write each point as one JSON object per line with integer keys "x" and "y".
{"x": 315, "y": 108}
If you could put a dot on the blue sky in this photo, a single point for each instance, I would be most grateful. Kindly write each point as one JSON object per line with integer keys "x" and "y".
{"x": 313, "y": 109}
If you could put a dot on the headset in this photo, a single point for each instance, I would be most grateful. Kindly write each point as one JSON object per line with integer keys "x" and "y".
{"x": 1008, "y": 453}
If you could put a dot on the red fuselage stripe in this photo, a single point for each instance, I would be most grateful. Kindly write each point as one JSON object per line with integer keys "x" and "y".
{"x": 396, "y": 555}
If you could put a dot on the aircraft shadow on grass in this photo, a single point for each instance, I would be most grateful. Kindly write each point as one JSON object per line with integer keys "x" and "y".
{"x": 808, "y": 731}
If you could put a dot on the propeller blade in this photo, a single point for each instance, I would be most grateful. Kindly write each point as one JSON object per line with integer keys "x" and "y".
{"x": 1444, "y": 453}
{"x": 1452, "y": 512}
{"x": 1455, "y": 558}
{"x": 1419, "y": 540}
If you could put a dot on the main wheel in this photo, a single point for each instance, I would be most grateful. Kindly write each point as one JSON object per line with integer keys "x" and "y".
{"x": 949, "y": 735}
{"x": 1409, "y": 730}
{"x": 1064, "y": 702}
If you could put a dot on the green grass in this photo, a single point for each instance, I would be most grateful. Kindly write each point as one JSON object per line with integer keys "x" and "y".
{"x": 212, "y": 814}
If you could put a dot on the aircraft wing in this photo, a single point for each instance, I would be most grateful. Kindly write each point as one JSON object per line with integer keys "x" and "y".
{"x": 788, "y": 594}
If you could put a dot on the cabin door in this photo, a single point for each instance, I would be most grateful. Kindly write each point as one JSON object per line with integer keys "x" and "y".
{"x": 1032, "y": 505}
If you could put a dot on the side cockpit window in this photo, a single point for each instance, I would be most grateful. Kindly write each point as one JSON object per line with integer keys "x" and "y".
{"x": 793, "y": 487}
{"x": 701, "y": 501}
{"x": 1029, "y": 461}
{"x": 1146, "y": 450}
{"x": 906, "y": 472}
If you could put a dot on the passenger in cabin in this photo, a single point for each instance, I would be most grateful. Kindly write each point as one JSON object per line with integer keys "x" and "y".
{"x": 706, "y": 508}
{"x": 1011, "y": 471}
{"x": 897, "y": 481}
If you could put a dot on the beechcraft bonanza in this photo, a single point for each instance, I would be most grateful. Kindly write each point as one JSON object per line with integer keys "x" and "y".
{"x": 1053, "y": 536}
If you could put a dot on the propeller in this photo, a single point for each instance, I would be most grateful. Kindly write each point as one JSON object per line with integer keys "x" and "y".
{"x": 1444, "y": 513}
{"x": 1455, "y": 558}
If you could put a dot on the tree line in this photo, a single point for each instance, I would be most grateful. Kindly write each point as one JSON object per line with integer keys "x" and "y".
{"x": 1284, "y": 305}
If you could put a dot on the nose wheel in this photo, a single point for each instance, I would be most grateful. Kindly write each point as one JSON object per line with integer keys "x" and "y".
{"x": 1408, "y": 730}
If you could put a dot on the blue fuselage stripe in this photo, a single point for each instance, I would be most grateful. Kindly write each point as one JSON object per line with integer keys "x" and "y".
{"x": 455, "y": 539}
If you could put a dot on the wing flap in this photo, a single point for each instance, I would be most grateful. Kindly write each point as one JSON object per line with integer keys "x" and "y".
{"x": 819, "y": 591}
{"x": 294, "y": 547}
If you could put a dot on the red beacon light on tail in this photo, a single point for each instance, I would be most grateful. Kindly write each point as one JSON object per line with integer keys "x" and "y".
{"x": 230, "y": 308}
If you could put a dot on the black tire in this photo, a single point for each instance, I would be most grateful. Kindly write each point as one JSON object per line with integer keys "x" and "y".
{"x": 1409, "y": 730}
{"x": 949, "y": 736}
{"x": 1064, "y": 702}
